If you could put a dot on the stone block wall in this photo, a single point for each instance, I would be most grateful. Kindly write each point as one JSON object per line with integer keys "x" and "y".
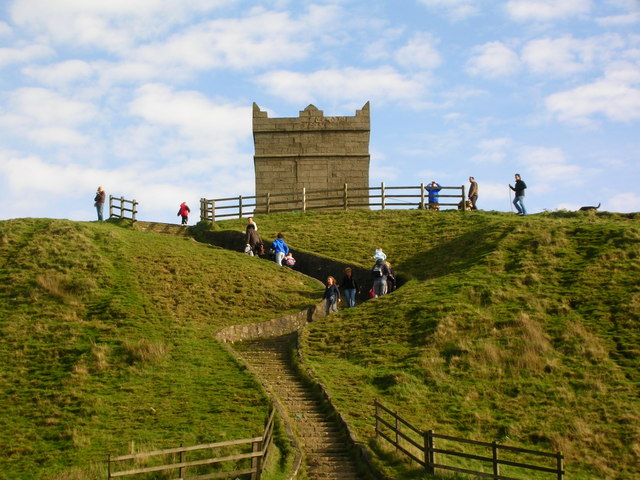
{"x": 310, "y": 151}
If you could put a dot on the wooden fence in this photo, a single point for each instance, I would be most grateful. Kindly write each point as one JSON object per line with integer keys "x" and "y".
{"x": 432, "y": 450}
{"x": 344, "y": 198}
{"x": 228, "y": 463}
{"x": 118, "y": 208}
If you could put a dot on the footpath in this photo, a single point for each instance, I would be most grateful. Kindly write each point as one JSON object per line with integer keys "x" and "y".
{"x": 326, "y": 449}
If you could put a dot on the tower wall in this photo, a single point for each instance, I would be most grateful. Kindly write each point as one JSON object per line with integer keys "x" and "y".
{"x": 311, "y": 151}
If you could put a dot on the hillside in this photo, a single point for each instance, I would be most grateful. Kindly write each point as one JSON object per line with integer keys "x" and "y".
{"x": 520, "y": 330}
{"x": 106, "y": 344}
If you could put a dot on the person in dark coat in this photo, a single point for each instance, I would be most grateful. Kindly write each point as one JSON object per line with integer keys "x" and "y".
{"x": 379, "y": 272}
{"x": 350, "y": 287}
{"x": 253, "y": 241}
{"x": 519, "y": 189}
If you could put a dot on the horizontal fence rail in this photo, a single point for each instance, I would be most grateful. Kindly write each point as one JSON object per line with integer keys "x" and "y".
{"x": 383, "y": 197}
{"x": 232, "y": 459}
{"x": 118, "y": 208}
{"x": 435, "y": 451}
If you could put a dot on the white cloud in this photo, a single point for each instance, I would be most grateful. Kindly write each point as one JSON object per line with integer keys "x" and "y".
{"x": 456, "y": 9}
{"x": 616, "y": 97}
{"x": 112, "y": 25}
{"x": 5, "y": 29}
{"x": 546, "y": 10}
{"x": 491, "y": 151}
{"x": 548, "y": 165}
{"x": 191, "y": 117}
{"x": 493, "y": 59}
{"x": 623, "y": 20}
{"x": 567, "y": 55}
{"x": 24, "y": 54}
{"x": 60, "y": 74}
{"x": 624, "y": 202}
{"x": 419, "y": 53}
{"x": 45, "y": 116}
{"x": 383, "y": 85}
{"x": 264, "y": 38}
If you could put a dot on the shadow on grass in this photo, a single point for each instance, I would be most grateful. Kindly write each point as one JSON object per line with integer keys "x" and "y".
{"x": 456, "y": 255}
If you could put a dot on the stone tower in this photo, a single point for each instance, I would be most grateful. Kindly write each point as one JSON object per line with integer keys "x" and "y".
{"x": 311, "y": 151}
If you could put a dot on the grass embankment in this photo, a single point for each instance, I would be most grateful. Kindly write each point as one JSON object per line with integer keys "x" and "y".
{"x": 106, "y": 344}
{"x": 519, "y": 330}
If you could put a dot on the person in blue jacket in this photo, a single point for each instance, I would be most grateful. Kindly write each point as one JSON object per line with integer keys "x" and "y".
{"x": 433, "y": 188}
{"x": 280, "y": 248}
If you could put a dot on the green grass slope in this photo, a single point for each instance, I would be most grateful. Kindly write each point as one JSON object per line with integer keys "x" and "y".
{"x": 519, "y": 330}
{"x": 106, "y": 344}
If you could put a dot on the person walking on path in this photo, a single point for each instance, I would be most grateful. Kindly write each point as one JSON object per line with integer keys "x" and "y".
{"x": 473, "y": 193}
{"x": 331, "y": 295}
{"x": 253, "y": 242}
{"x": 518, "y": 201}
{"x": 99, "y": 200}
{"x": 183, "y": 212}
{"x": 350, "y": 287}
{"x": 433, "y": 189}
{"x": 379, "y": 272}
{"x": 281, "y": 249}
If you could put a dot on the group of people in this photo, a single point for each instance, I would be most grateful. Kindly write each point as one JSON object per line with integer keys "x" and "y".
{"x": 254, "y": 245}
{"x": 383, "y": 279}
{"x": 434, "y": 188}
{"x": 433, "y": 192}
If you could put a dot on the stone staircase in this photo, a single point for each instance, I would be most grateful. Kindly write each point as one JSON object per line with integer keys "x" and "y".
{"x": 326, "y": 448}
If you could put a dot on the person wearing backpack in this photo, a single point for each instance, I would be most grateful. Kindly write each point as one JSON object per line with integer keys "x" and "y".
{"x": 379, "y": 272}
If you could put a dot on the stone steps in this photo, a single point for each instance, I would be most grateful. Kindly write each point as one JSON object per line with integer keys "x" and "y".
{"x": 325, "y": 445}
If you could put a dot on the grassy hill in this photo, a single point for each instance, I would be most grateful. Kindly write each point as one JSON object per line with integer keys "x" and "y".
{"x": 106, "y": 344}
{"x": 520, "y": 330}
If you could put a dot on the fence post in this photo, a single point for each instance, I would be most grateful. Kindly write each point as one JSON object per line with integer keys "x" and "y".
{"x": 203, "y": 213}
{"x": 464, "y": 203}
{"x": 239, "y": 206}
{"x": 135, "y": 210}
{"x": 397, "y": 430}
{"x": 422, "y": 205}
{"x": 560, "y": 465}
{"x": 375, "y": 406}
{"x": 382, "y": 195}
{"x": 109, "y": 466}
{"x": 345, "y": 197}
{"x": 121, "y": 207}
{"x": 181, "y": 471}
{"x": 213, "y": 210}
{"x": 268, "y": 203}
{"x": 256, "y": 463}
{"x": 496, "y": 466}
{"x": 110, "y": 206}
{"x": 429, "y": 456}
{"x": 304, "y": 199}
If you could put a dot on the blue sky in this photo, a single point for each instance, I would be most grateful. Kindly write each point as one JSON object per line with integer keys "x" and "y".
{"x": 152, "y": 98}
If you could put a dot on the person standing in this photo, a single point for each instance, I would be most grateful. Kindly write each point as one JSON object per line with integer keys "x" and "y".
{"x": 250, "y": 221}
{"x": 253, "y": 242}
{"x": 473, "y": 193}
{"x": 379, "y": 272}
{"x": 281, "y": 249}
{"x": 99, "y": 200}
{"x": 350, "y": 287}
{"x": 183, "y": 212}
{"x": 433, "y": 189}
{"x": 331, "y": 295}
{"x": 518, "y": 201}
